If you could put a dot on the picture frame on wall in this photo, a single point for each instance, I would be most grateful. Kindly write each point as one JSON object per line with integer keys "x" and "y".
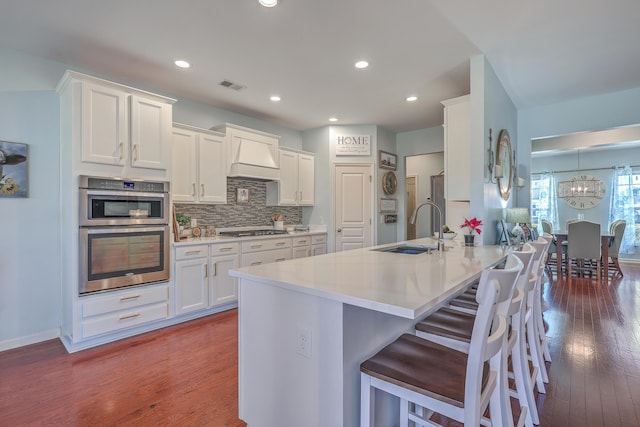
{"x": 14, "y": 177}
{"x": 242, "y": 196}
{"x": 387, "y": 160}
{"x": 388, "y": 205}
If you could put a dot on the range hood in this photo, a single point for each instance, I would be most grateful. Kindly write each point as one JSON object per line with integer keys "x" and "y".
{"x": 252, "y": 154}
{"x": 253, "y": 159}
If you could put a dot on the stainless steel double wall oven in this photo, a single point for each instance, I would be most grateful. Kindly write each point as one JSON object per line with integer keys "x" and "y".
{"x": 124, "y": 233}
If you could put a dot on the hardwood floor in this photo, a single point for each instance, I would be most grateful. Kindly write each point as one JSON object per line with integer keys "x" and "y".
{"x": 186, "y": 375}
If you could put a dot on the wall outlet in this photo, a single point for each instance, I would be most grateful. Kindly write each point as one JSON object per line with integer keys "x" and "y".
{"x": 303, "y": 342}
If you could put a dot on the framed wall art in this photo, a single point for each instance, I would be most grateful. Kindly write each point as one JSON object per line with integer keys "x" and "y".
{"x": 13, "y": 169}
{"x": 242, "y": 195}
{"x": 387, "y": 160}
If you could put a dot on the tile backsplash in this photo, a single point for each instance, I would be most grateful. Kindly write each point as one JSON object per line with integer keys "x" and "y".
{"x": 255, "y": 213}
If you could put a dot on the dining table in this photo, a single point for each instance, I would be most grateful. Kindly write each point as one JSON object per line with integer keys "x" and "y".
{"x": 563, "y": 236}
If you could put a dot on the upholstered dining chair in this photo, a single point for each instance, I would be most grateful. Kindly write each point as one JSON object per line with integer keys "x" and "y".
{"x": 547, "y": 227}
{"x": 617, "y": 230}
{"x": 583, "y": 249}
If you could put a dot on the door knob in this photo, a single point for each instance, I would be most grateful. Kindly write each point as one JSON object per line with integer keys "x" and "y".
{"x": 339, "y": 230}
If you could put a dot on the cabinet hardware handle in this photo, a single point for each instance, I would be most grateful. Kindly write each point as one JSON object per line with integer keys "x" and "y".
{"x": 296, "y": 199}
{"x": 280, "y": 243}
{"x": 193, "y": 193}
{"x": 130, "y": 297}
{"x": 135, "y": 152}
{"x": 227, "y": 249}
{"x": 280, "y": 259}
{"x": 300, "y": 196}
{"x": 129, "y": 316}
{"x": 206, "y": 270}
{"x": 256, "y": 246}
{"x": 202, "y": 190}
{"x": 121, "y": 150}
{"x": 302, "y": 241}
{"x": 215, "y": 269}
{"x": 192, "y": 252}
{"x": 256, "y": 263}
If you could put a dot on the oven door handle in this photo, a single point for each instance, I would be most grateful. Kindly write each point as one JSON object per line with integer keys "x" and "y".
{"x": 129, "y": 229}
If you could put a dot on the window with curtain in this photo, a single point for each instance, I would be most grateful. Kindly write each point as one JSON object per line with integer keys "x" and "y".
{"x": 625, "y": 204}
{"x": 544, "y": 203}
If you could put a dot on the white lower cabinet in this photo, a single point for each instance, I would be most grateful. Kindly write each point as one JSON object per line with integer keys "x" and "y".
{"x": 118, "y": 310}
{"x": 224, "y": 288}
{"x": 301, "y": 247}
{"x": 191, "y": 278}
{"x": 318, "y": 244}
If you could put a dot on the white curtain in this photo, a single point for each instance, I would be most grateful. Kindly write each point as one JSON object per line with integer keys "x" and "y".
{"x": 550, "y": 211}
{"x": 622, "y": 206}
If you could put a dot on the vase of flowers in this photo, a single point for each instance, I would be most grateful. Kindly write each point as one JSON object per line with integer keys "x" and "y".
{"x": 472, "y": 225}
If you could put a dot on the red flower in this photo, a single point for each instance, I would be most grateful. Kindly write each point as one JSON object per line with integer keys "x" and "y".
{"x": 472, "y": 224}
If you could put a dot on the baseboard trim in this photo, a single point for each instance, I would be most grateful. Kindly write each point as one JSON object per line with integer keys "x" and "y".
{"x": 29, "y": 339}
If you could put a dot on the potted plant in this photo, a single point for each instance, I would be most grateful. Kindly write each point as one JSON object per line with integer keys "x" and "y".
{"x": 471, "y": 225}
{"x": 182, "y": 220}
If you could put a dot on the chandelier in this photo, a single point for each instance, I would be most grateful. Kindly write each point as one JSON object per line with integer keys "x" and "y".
{"x": 582, "y": 186}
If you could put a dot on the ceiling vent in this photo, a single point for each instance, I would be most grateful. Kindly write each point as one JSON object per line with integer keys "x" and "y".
{"x": 231, "y": 85}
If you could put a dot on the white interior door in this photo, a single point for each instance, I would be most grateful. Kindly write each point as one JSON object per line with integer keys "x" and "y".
{"x": 353, "y": 207}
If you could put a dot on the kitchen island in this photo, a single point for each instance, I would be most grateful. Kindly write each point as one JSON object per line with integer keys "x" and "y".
{"x": 305, "y": 325}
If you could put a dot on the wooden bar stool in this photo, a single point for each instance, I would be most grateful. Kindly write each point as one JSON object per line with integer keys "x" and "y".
{"x": 453, "y": 328}
{"x": 431, "y": 378}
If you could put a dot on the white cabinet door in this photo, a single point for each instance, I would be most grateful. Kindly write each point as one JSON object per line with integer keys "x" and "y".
{"x": 212, "y": 169}
{"x": 288, "y": 178}
{"x": 150, "y": 130}
{"x": 306, "y": 180}
{"x": 184, "y": 168}
{"x": 105, "y": 129}
{"x": 318, "y": 249}
{"x": 300, "y": 252}
{"x": 191, "y": 285}
{"x": 224, "y": 288}
{"x": 457, "y": 146}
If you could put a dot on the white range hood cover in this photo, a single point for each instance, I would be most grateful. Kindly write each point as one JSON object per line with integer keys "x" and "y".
{"x": 253, "y": 159}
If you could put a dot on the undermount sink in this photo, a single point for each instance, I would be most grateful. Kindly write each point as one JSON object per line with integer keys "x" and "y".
{"x": 408, "y": 249}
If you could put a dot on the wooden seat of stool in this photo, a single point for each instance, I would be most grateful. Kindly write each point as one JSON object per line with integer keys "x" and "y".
{"x": 423, "y": 367}
{"x": 448, "y": 323}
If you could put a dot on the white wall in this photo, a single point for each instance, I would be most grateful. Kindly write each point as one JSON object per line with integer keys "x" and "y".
{"x": 30, "y": 309}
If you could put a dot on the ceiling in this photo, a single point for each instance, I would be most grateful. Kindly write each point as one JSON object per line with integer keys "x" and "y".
{"x": 304, "y": 51}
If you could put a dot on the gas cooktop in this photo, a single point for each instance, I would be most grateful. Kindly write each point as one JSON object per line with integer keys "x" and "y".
{"x": 244, "y": 233}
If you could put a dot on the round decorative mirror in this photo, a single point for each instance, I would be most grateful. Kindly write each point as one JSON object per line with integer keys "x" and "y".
{"x": 503, "y": 164}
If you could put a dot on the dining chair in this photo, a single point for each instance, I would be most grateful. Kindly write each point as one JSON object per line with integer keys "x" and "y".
{"x": 453, "y": 328}
{"x": 547, "y": 227}
{"x": 583, "y": 249}
{"x": 617, "y": 231}
{"x": 431, "y": 378}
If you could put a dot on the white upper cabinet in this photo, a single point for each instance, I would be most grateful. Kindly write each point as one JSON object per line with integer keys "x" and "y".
{"x": 198, "y": 165}
{"x": 457, "y": 148}
{"x": 115, "y": 125}
{"x": 297, "y": 180}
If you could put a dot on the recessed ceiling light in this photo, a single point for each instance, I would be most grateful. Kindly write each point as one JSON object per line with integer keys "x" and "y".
{"x": 362, "y": 64}
{"x": 182, "y": 63}
{"x": 275, "y": 98}
{"x": 333, "y": 119}
{"x": 268, "y": 3}
{"x": 412, "y": 98}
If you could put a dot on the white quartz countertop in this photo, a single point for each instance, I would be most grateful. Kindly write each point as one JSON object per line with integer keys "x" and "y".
{"x": 223, "y": 239}
{"x": 394, "y": 283}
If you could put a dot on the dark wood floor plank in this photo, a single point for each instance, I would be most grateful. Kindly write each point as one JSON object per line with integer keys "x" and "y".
{"x": 186, "y": 375}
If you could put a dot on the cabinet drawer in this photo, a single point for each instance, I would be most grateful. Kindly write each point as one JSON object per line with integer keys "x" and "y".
{"x": 189, "y": 252}
{"x": 125, "y": 300}
{"x": 125, "y": 319}
{"x": 320, "y": 238}
{"x": 266, "y": 245}
{"x": 301, "y": 241}
{"x": 265, "y": 257}
{"x": 225, "y": 248}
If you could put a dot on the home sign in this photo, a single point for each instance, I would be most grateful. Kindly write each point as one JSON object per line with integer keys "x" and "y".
{"x": 353, "y": 145}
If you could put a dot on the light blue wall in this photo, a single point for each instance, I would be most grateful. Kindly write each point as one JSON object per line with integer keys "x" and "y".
{"x": 388, "y": 233}
{"x": 422, "y": 141}
{"x": 590, "y": 113}
{"x": 491, "y": 108}
{"x": 30, "y": 227}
